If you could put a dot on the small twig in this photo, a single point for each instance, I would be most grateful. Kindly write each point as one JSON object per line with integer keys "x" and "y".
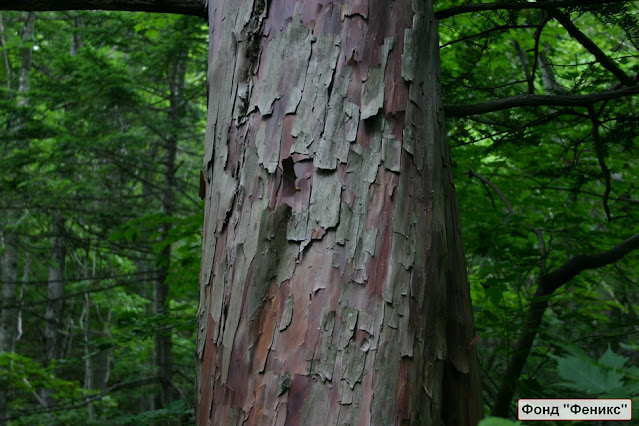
{"x": 84, "y": 400}
{"x": 509, "y": 207}
{"x": 480, "y": 7}
{"x": 599, "y": 149}
{"x": 501, "y": 195}
{"x": 586, "y": 42}
{"x": 537, "y": 36}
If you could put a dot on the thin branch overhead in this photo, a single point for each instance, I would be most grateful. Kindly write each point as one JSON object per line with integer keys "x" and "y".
{"x": 602, "y": 58}
{"x": 537, "y": 100}
{"x": 83, "y": 401}
{"x": 480, "y": 7}
{"x": 181, "y": 7}
{"x": 560, "y": 276}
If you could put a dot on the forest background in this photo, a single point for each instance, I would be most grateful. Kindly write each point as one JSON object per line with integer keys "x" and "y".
{"x": 102, "y": 123}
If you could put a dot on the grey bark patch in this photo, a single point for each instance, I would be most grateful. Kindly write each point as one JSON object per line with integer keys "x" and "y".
{"x": 353, "y": 360}
{"x": 287, "y": 315}
{"x": 285, "y": 67}
{"x": 349, "y": 321}
{"x": 223, "y": 196}
{"x": 203, "y": 322}
{"x": 342, "y": 120}
{"x": 345, "y": 393}
{"x": 286, "y": 261}
{"x": 352, "y": 121}
{"x": 294, "y": 99}
{"x": 296, "y": 230}
{"x": 273, "y": 242}
{"x": 365, "y": 251}
{"x": 208, "y": 255}
{"x": 372, "y": 157}
{"x": 374, "y": 87}
{"x": 387, "y": 369}
{"x": 408, "y": 56}
{"x": 309, "y": 120}
{"x": 344, "y": 224}
{"x": 408, "y": 138}
{"x": 391, "y": 152}
{"x": 324, "y": 366}
{"x": 267, "y": 141}
{"x": 225, "y": 72}
{"x": 217, "y": 298}
{"x": 349, "y": 413}
{"x": 325, "y": 200}
{"x": 324, "y": 361}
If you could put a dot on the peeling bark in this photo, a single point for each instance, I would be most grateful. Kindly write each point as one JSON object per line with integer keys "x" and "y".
{"x": 333, "y": 287}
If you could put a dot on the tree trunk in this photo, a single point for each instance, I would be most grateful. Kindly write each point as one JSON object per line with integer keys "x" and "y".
{"x": 55, "y": 298}
{"x": 333, "y": 287}
{"x": 9, "y": 302}
{"x": 163, "y": 339}
{"x": 10, "y": 316}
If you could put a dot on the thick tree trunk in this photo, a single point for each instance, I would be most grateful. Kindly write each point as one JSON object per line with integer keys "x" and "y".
{"x": 333, "y": 284}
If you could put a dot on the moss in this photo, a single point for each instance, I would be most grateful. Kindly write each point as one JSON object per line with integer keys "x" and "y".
{"x": 259, "y": 8}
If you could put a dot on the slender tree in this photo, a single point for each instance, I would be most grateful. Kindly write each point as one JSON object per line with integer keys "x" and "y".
{"x": 10, "y": 314}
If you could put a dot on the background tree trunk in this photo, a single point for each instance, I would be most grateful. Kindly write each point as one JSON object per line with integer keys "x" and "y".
{"x": 333, "y": 283}
{"x": 10, "y": 316}
{"x": 53, "y": 314}
{"x": 163, "y": 341}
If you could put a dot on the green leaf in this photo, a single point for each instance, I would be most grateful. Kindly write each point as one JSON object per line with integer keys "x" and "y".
{"x": 604, "y": 377}
{"x": 612, "y": 360}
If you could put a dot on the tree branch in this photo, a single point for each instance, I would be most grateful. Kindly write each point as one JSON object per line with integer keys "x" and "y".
{"x": 600, "y": 150}
{"x": 601, "y": 57}
{"x": 548, "y": 284}
{"x": 537, "y": 100}
{"x": 182, "y": 7}
{"x": 556, "y": 188}
{"x": 501, "y": 195}
{"x": 85, "y": 400}
{"x": 480, "y": 7}
{"x": 540, "y": 236}
{"x": 560, "y": 276}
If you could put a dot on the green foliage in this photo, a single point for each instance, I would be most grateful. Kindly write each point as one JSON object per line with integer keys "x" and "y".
{"x": 497, "y": 421}
{"x": 88, "y": 141}
{"x": 24, "y": 374}
{"x": 546, "y": 163}
{"x": 90, "y": 145}
{"x": 605, "y": 377}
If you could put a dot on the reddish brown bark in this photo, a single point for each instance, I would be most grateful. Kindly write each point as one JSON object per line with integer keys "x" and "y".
{"x": 333, "y": 286}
